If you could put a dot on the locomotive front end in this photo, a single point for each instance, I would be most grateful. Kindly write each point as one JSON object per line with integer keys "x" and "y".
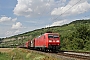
{"x": 53, "y": 41}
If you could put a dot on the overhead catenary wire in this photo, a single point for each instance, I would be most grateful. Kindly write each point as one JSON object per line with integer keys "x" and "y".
{"x": 46, "y": 9}
{"x": 64, "y": 11}
{"x": 67, "y": 10}
{"x": 61, "y": 13}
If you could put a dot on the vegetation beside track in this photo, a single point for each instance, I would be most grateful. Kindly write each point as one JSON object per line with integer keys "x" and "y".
{"x": 74, "y": 36}
{"x": 23, "y": 54}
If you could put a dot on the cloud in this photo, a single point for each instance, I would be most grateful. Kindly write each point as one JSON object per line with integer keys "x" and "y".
{"x": 80, "y": 7}
{"x": 12, "y": 32}
{"x": 29, "y": 8}
{"x": 18, "y": 25}
{"x": 58, "y": 23}
{"x": 60, "y": 0}
{"x": 7, "y": 19}
{"x": 8, "y": 33}
{"x": 14, "y": 19}
{"x": 32, "y": 8}
{"x": 17, "y": 31}
{"x": 23, "y": 8}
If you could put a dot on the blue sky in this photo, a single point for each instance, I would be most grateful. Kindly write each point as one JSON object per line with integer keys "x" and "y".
{"x": 19, "y": 16}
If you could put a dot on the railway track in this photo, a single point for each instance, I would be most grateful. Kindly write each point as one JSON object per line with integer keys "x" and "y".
{"x": 68, "y": 55}
{"x": 78, "y": 55}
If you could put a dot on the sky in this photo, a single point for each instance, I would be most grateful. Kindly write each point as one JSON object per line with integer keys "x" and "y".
{"x": 20, "y": 16}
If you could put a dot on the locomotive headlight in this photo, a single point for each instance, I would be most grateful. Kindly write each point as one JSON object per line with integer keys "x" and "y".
{"x": 50, "y": 40}
{"x": 57, "y": 41}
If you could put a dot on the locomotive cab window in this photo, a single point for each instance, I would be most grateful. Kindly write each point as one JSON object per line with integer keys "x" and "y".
{"x": 50, "y": 36}
{"x": 56, "y": 36}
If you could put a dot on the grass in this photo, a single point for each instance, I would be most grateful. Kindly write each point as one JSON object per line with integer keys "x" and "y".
{"x": 4, "y": 56}
{"x": 23, "y": 54}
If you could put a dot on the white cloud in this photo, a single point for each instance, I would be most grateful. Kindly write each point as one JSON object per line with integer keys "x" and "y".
{"x": 4, "y": 19}
{"x": 14, "y": 19}
{"x": 81, "y": 7}
{"x": 12, "y": 32}
{"x": 29, "y": 8}
{"x": 18, "y": 25}
{"x": 8, "y": 33}
{"x": 23, "y": 8}
{"x": 17, "y": 31}
{"x": 63, "y": 0}
{"x": 7, "y": 19}
{"x": 58, "y": 23}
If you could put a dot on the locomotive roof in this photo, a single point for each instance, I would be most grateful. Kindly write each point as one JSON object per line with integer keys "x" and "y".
{"x": 51, "y": 33}
{"x": 47, "y": 33}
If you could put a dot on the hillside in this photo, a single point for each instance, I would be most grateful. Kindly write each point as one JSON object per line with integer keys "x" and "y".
{"x": 74, "y": 36}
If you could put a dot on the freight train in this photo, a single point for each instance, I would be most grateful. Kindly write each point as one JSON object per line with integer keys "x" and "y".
{"x": 45, "y": 42}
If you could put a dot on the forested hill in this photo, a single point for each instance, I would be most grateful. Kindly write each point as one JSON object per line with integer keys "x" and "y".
{"x": 80, "y": 21}
{"x": 74, "y": 36}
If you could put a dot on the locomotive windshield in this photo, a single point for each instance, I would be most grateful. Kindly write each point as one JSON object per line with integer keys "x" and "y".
{"x": 56, "y": 36}
{"x": 53, "y": 36}
{"x": 50, "y": 36}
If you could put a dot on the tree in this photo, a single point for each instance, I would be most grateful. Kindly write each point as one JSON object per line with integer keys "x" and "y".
{"x": 82, "y": 31}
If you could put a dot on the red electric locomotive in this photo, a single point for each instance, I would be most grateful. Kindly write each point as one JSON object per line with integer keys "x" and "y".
{"x": 47, "y": 41}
